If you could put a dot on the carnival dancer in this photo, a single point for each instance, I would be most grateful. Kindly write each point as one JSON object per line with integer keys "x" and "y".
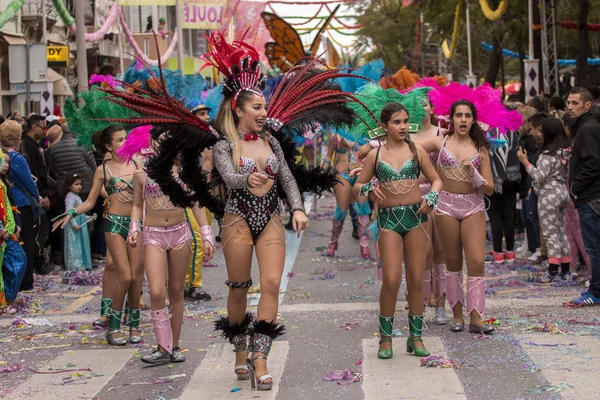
{"x": 549, "y": 177}
{"x": 464, "y": 166}
{"x": 400, "y": 210}
{"x": 166, "y": 237}
{"x": 256, "y": 169}
{"x": 116, "y": 177}
{"x": 343, "y": 156}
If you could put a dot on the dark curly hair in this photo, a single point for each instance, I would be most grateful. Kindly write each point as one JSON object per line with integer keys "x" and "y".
{"x": 475, "y": 133}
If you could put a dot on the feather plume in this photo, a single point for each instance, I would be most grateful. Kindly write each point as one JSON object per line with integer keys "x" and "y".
{"x": 371, "y": 71}
{"x": 138, "y": 139}
{"x": 271, "y": 329}
{"x": 374, "y": 98}
{"x": 229, "y": 330}
{"x": 487, "y": 101}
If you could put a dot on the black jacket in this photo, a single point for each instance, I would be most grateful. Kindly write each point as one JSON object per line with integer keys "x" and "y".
{"x": 33, "y": 153}
{"x": 65, "y": 159}
{"x": 533, "y": 151}
{"x": 584, "y": 174}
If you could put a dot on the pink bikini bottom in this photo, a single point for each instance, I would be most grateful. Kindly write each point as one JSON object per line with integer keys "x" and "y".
{"x": 460, "y": 206}
{"x": 167, "y": 238}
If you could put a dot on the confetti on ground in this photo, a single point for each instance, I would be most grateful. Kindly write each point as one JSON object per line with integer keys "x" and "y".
{"x": 350, "y": 326}
{"x": 438, "y": 362}
{"x": 82, "y": 278}
{"x": 347, "y": 375}
{"x": 541, "y": 389}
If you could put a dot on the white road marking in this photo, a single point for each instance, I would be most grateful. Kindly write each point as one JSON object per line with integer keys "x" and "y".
{"x": 215, "y": 376}
{"x": 103, "y": 363}
{"x": 402, "y": 376}
{"x": 562, "y": 362}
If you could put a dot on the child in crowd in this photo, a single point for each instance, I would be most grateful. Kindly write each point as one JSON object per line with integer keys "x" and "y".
{"x": 77, "y": 240}
{"x": 549, "y": 178}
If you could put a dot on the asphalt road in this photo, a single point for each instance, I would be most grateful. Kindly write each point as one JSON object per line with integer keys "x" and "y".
{"x": 542, "y": 350}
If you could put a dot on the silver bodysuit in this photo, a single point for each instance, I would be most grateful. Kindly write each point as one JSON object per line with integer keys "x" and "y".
{"x": 257, "y": 211}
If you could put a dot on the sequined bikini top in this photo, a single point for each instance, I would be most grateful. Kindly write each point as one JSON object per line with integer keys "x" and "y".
{"x": 112, "y": 182}
{"x": 386, "y": 173}
{"x": 447, "y": 159}
{"x": 248, "y": 166}
{"x": 151, "y": 189}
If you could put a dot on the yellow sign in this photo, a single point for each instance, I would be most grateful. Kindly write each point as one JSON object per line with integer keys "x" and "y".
{"x": 58, "y": 56}
{"x": 147, "y": 2}
{"x": 203, "y": 14}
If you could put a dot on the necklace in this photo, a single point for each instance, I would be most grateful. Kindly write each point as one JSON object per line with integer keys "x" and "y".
{"x": 248, "y": 136}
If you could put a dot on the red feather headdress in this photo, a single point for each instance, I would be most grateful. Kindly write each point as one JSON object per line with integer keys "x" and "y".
{"x": 238, "y": 61}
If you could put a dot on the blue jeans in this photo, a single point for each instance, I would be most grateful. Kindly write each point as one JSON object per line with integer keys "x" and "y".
{"x": 590, "y": 230}
{"x": 529, "y": 212}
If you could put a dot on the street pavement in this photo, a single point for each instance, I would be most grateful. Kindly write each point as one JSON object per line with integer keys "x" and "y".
{"x": 542, "y": 350}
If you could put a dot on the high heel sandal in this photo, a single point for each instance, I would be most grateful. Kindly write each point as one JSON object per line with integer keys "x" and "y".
{"x": 264, "y": 334}
{"x": 415, "y": 325}
{"x": 386, "y": 328}
{"x": 238, "y": 336}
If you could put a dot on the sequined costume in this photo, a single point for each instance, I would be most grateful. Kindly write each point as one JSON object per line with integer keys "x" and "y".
{"x": 117, "y": 224}
{"x": 404, "y": 218}
{"x": 257, "y": 211}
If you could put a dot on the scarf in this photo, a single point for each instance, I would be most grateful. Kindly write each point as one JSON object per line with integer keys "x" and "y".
{"x": 506, "y": 167}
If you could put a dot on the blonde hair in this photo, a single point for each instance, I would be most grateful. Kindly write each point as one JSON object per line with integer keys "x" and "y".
{"x": 226, "y": 124}
{"x": 10, "y": 133}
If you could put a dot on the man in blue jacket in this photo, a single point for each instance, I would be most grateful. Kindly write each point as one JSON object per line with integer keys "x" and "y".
{"x": 584, "y": 178}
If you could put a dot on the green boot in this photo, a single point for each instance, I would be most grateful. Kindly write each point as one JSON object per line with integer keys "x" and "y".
{"x": 134, "y": 325}
{"x": 114, "y": 326}
{"x": 415, "y": 324}
{"x": 386, "y": 327}
{"x": 105, "y": 306}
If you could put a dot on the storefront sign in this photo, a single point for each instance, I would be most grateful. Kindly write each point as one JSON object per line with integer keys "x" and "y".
{"x": 58, "y": 56}
{"x": 203, "y": 14}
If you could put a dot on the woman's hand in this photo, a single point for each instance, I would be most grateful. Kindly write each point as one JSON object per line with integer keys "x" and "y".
{"x": 469, "y": 168}
{"x": 77, "y": 227}
{"x": 132, "y": 239}
{"x": 299, "y": 221}
{"x": 257, "y": 180}
{"x": 364, "y": 150}
{"x": 121, "y": 186}
{"x": 377, "y": 196}
{"x": 522, "y": 155}
{"x": 4, "y": 234}
{"x": 209, "y": 250}
{"x": 425, "y": 208}
{"x": 355, "y": 172}
{"x": 61, "y": 223}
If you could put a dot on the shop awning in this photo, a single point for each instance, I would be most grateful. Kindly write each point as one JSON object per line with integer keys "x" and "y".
{"x": 60, "y": 85}
{"x": 13, "y": 38}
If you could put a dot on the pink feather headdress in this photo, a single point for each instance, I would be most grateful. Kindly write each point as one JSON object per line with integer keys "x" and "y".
{"x": 138, "y": 142}
{"x": 487, "y": 101}
{"x": 107, "y": 80}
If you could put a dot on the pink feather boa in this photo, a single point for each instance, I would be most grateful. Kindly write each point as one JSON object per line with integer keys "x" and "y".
{"x": 487, "y": 101}
{"x": 138, "y": 142}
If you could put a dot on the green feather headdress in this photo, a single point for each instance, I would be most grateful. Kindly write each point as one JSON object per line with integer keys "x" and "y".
{"x": 86, "y": 120}
{"x": 374, "y": 98}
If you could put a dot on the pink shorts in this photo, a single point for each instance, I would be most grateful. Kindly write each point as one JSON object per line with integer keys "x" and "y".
{"x": 425, "y": 188}
{"x": 167, "y": 238}
{"x": 460, "y": 206}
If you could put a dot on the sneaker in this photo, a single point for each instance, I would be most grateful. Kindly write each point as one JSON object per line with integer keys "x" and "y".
{"x": 157, "y": 357}
{"x": 587, "y": 299}
{"x": 197, "y": 294}
{"x": 522, "y": 250}
{"x": 440, "y": 316}
{"x": 546, "y": 279}
{"x": 494, "y": 257}
{"x": 535, "y": 257}
{"x": 569, "y": 276}
{"x": 177, "y": 356}
{"x": 509, "y": 256}
{"x": 525, "y": 255}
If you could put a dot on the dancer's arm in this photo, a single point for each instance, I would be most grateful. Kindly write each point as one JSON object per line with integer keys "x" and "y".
{"x": 364, "y": 185}
{"x": 137, "y": 209}
{"x": 232, "y": 178}
{"x": 205, "y": 231}
{"x": 87, "y": 205}
{"x": 482, "y": 179}
{"x": 430, "y": 200}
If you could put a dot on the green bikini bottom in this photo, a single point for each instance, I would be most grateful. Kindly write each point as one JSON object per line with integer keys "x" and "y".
{"x": 400, "y": 219}
{"x": 117, "y": 224}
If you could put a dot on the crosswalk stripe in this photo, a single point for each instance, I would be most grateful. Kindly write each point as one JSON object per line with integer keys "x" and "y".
{"x": 215, "y": 376}
{"x": 554, "y": 356}
{"x": 402, "y": 377}
{"x": 103, "y": 363}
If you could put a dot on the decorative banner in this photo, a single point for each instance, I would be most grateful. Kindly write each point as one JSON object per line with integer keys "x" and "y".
{"x": 248, "y": 18}
{"x": 148, "y": 2}
{"x": 204, "y": 14}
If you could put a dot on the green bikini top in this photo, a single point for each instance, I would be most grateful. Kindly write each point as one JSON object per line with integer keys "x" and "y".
{"x": 386, "y": 173}
{"x": 113, "y": 180}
